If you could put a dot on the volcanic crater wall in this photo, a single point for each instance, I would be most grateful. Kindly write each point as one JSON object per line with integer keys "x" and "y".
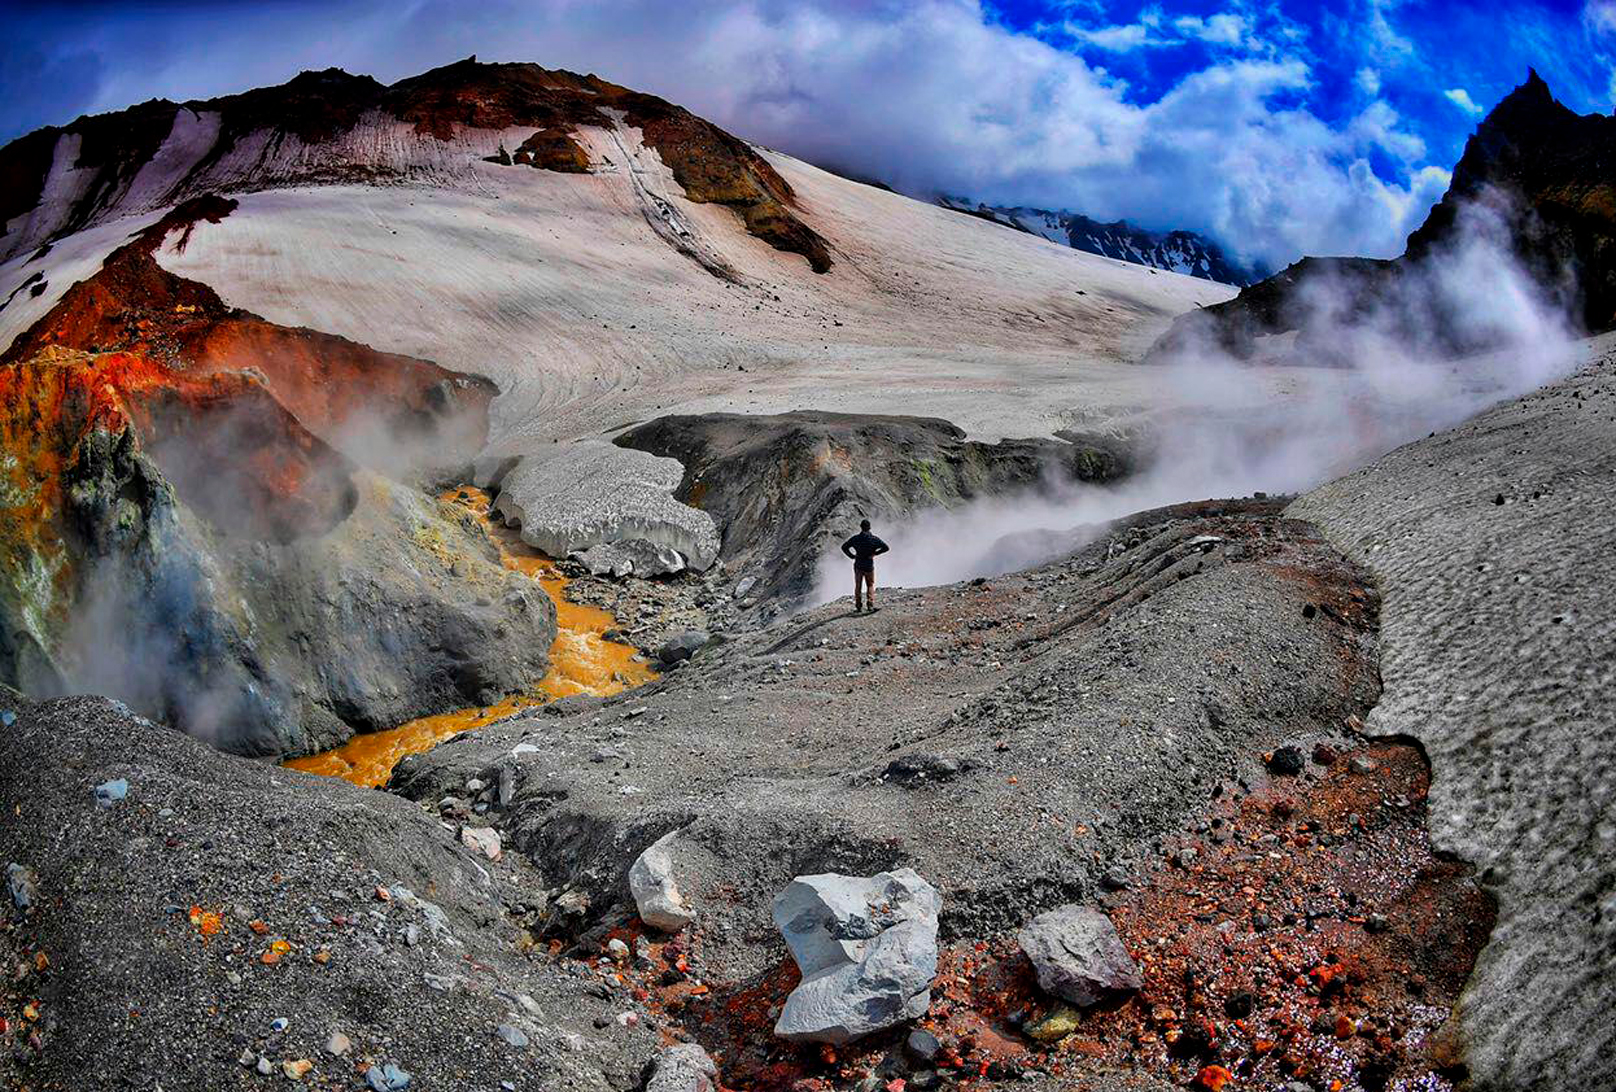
{"x": 214, "y": 518}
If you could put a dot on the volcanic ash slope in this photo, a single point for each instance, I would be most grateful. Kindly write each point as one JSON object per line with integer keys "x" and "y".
{"x": 1493, "y": 544}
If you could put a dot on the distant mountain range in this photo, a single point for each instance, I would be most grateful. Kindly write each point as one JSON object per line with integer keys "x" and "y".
{"x": 1176, "y": 251}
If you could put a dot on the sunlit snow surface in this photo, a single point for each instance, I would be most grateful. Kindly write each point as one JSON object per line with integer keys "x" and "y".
{"x": 579, "y": 297}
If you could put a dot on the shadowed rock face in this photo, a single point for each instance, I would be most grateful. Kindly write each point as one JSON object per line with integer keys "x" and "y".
{"x": 1543, "y": 170}
{"x": 191, "y": 520}
{"x": 235, "y": 143}
{"x": 781, "y": 488}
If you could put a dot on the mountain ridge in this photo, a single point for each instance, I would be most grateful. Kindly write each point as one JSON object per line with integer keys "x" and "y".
{"x": 1176, "y": 251}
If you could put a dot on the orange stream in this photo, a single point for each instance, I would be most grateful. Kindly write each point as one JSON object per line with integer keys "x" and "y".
{"x": 582, "y": 661}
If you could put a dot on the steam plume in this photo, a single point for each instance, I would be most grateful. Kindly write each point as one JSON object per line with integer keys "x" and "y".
{"x": 1371, "y": 379}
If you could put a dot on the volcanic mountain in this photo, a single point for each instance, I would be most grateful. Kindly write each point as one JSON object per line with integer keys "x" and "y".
{"x": 267, "y": 312}
{"x": 1334, "y": 769}
{"x": 1176, "y": 251}
{"x": 1535, "y": 176}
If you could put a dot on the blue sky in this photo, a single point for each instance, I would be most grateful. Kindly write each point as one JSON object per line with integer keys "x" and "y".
{"x": 1277, "y": 128}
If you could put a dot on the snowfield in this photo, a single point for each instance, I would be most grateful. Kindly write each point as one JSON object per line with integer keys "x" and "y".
{"x": 597, "y": 300}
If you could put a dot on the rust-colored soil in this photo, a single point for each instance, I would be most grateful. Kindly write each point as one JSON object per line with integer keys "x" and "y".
{"x": 1311, "y": 935}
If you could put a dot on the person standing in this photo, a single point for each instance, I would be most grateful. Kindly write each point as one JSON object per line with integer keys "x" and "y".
{"x": 864, "y": 548}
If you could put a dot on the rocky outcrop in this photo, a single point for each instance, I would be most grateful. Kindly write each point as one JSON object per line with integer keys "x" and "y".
{"x": 1539, "y": 175}
{"x": 591, "y": 493}
{"x": 782, "y": 489}
{"x": 867, "y": 950}
{"x": 329, "y": 126}
{"x": 194, "y": 522}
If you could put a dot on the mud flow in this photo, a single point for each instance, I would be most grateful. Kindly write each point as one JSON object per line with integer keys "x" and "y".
{"x": 582, "y": 661}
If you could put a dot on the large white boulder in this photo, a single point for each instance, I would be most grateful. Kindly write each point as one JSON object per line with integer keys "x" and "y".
{"x": 593, "y": 492}
{"x": 867, "y": 949}
{"x": 656, "y": 892}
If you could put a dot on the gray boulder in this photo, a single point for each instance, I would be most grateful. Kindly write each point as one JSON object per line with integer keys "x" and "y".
{"x": 656, "y": 894}
{"x": 684, "y": 1067}
{"x": 867, "y": 949}
{"x": 1078, "y": 956}
{"x": 682, "y": 646}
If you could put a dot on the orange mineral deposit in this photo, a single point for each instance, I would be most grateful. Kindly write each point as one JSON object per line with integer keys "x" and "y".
{"x": 582, "y": 661}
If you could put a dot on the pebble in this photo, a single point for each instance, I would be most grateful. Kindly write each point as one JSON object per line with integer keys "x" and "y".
{"x": 109, "y": 793}
{"x": 337, "y": 1044}
{"x": 278, "y": 1025}
{"x": 386, "y": 1078}
{"x": 265, "y": 1067}
{"x": 248, "y": 1059}
{"x": 511, "y": 1034}
{"x": 1287, "y": 761}
{"x": 1362, "y": 765}
{"x": 297, "y": 1069}
{"x": 618, "y": 948}
{"x": 922, "y": 1045}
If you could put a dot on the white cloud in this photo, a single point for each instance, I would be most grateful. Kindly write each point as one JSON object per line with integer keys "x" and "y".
{"x": 1461, "y": 98}
{"x": 1600, "y": 16}
{"x": 1225, "y": 28}
{"x": 927, "y": 95}
{"x": 1368, "y": 81}
{"x": 1118, "y": 39}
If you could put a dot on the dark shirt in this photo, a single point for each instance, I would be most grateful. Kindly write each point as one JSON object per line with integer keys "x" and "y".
{"x": 863, "y": 548}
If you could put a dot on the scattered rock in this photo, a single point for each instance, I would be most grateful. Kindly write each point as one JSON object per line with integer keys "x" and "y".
{"x": 512, "y": 1035}
{"x": 1062, "y": 1021}
{"x": 1287, "y": 761}
{"x": 922, "y": 1046}
{"x": 685, "y": 1067}
{"x": 1114, "y": 878}
{"x": 484, "y": 840}
{"x": 337, "y": 1044}
{"x": 919, "y": 769}
{"x": 296, "y": 1070}
{"x": 1078, "y": 956}
{"x": 264, "y": 1066}
{"x": 867, "y": 949}
{"x": 682, "y": 646}
{"x": 110, "y": 793}
{"x": 22, "y": 885}
{"x": 656, "y": 894}
{"x": 386, "y": 1078}
{"x": 1362, "y": 764}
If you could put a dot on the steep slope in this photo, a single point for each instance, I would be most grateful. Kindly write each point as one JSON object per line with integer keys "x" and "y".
{"x": 1535, "y": 178}
{"x": 1175, "y": 251}
{"x": 1492, "y": 545}
{"x": 330, "y": 126}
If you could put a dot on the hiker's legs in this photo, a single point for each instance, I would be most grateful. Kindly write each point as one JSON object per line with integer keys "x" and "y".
{"x": 868, "y": 578}
{"x": 858, "y": 588}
